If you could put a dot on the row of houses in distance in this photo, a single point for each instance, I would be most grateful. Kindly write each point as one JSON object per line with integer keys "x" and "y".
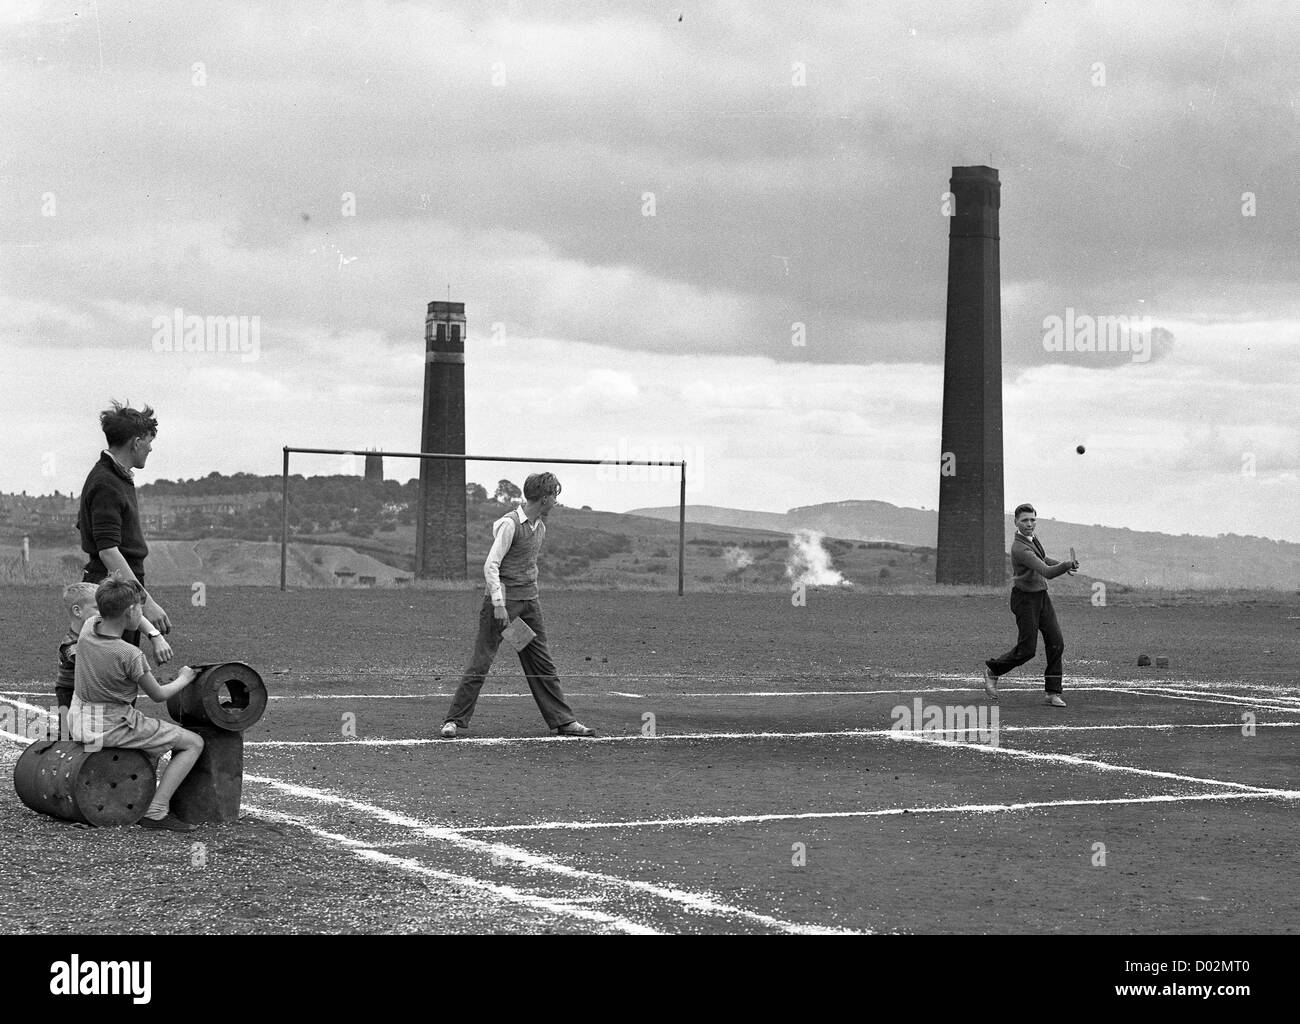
{"x": 20, "y": 512}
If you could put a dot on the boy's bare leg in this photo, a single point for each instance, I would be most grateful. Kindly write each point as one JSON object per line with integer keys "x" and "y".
{"x": 182, "y": 760}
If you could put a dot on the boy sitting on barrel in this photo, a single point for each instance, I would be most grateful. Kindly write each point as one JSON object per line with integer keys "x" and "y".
{"x": 79, "y": 603}
{"x": 109, "y": 675}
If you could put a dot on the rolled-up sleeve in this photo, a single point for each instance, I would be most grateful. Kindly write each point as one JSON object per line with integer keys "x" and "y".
{"x": 503, "y": 538}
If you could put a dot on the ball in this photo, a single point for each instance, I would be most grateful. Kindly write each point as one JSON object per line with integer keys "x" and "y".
{"x": 1079, "y": 449}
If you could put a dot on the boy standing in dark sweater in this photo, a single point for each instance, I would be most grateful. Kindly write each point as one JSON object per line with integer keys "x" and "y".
{"x": 511, "y": 592}
{"x": 1032, "y": 608}
{"x": 109, "y": 517}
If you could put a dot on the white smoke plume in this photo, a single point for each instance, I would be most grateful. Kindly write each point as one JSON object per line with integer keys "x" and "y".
{"x": 737, "y": 558}
{"x": 810, "y": 564}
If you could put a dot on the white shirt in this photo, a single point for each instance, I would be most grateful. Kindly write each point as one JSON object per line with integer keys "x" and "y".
{"x": 130, "y": 473}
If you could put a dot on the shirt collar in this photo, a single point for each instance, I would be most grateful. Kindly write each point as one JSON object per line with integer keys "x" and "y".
{"x": 523, "y": 516}
{"x": 126, "y": 471}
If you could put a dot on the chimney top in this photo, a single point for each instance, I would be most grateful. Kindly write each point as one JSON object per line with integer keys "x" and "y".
{"x": 979, "y": 171}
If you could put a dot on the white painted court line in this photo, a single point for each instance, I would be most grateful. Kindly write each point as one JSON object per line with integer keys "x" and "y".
{"x": 506, "y": 740}
{"x": 1230, "y": 702}
{"x": 694, "y": 901}
{"x": 922, "y": 735}
{"x": 1269, "y": 693}
{"x": 27, "y": 693}
{"x": 29, "y": 707}
{"x": 1073, "y": 759}
{"x": 500, "y": 741}
{"x": 1080, "y": 678}
{"x": 501, "y": 893}
{"x": 874, "y": 672}
{"x": 1149, "y": 689}
{"x": 703, "y": 903}
{"x": 747, "y": 819}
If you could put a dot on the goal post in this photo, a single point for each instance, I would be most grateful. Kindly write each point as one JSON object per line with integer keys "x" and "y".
{"x": 284, "y": 492}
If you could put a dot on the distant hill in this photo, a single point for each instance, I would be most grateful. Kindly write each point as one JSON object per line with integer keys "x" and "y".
{"x": 226, "y": 529}
{"x": 583, "y": 547}
{"x": 1134, "y": 558}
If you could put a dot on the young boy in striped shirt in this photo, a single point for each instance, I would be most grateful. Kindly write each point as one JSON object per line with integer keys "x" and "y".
{"x": 110, "y": 674}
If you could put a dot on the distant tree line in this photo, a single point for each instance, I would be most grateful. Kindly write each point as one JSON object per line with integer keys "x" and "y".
{"x": 317, "y": 504}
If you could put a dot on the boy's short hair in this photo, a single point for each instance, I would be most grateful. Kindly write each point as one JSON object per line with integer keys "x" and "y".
{"x": 122, "y": 423}
{"x": 1025, "y": 508}
{"x": 82, "y": 594}
{"x": 538, "y": 485}
{"x": 114, "y": 596}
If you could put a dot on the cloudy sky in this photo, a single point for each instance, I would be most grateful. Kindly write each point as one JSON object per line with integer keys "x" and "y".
{"x": 637, "y": 203}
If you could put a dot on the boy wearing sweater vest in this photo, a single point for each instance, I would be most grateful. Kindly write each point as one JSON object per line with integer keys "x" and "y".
{"x": 1032, "y": 608}
{"x": 510, "y": 593}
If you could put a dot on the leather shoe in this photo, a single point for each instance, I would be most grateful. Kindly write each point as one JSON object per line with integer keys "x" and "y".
{"x": 990, "y": 684}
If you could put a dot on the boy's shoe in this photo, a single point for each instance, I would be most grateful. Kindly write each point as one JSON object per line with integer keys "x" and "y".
{"x": 990, "y": 683}
{"x": 449, "y": 730}
{"x": 171, "y": 823}
{"x": 1056, "y": 700}
{"x": 575, "y": 729}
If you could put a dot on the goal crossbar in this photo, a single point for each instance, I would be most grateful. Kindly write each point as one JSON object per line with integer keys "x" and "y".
{"x": 284, "y": 492}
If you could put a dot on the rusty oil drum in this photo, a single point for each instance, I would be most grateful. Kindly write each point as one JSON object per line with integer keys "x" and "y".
{"x": 229, "y": 696}
{"x": 62, "y": 778}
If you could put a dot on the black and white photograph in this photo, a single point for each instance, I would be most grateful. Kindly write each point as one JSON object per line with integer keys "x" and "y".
{"x": 540, "y": 468}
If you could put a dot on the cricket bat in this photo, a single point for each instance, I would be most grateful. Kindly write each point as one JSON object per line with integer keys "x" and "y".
{"x": 518, "y": 634}
{"x": 1073, "y": 557}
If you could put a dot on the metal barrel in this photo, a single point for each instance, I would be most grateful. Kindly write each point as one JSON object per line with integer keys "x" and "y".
{"x": 229, "y": 696}
{"x": 212, "y": 789}
{"x": 61, "y": 778}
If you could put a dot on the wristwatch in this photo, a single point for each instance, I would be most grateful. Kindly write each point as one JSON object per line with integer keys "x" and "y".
{"x": 155, "y": 633}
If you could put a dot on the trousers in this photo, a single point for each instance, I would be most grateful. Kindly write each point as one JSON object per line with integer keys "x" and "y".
{"x": 539, "y": 670}
{"x": 1034, "y": 614}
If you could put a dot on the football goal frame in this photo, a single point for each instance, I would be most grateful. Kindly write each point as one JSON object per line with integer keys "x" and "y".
{"x": 290, "y": 449}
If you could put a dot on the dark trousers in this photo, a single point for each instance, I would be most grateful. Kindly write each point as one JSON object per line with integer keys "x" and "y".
{"x": 1034, "y": 614}
{"x": 535, "y": 659}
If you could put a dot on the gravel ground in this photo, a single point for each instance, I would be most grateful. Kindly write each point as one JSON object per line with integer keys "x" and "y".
{"x": 267, "y": 875}
{"x": 256, "y": 877}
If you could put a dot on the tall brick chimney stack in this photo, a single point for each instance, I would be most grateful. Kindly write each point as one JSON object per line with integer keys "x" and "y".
{"x": 440, "y": 520}
{"x": 972, "y": 543}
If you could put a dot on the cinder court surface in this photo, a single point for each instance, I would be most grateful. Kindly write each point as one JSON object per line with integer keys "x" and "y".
{"x": 746, "y": 778}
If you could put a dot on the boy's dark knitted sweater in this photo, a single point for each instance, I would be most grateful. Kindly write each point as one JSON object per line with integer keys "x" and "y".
{"x": 110, "y": 518}
{"x": 1032, "y": 566}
